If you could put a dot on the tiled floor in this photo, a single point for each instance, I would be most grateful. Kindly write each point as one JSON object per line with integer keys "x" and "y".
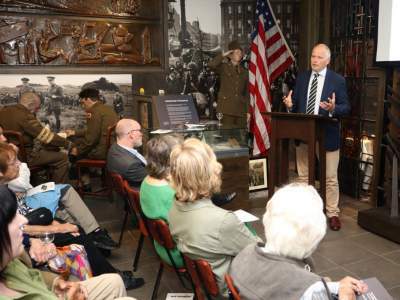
{"x": 351, "y": 251}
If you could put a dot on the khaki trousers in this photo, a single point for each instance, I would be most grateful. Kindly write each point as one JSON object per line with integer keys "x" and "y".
{"x": 105, "y": 287}
{"x": 332, "y": 184}
{"x": 76, "y": 211}
{"x": 56, "y": 159}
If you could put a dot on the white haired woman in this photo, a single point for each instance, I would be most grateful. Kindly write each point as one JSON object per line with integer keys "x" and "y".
{"x": 294, "y": 225}
{"x": 201, "y": 229}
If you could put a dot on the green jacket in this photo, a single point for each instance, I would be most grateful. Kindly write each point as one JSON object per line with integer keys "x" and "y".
{"x": 29, "y": 282}
{"x": 233, "y": 95}
{"x": 94, "y": 138}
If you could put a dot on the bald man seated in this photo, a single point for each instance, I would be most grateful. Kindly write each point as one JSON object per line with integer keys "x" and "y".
{"x": 123, "y": 158}
{"x": 41, "y": 144}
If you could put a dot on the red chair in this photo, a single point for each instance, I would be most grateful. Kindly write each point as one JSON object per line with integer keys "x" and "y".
{"x": 233, "y": 291}
{"x": 159, "y": 231}
{"x": 99, "y": 164}
{"x": 15, "y": 137}
{"x": 134, "y": 208}
{"x": 117, "y": 184}
{"x": 202, "y": 277}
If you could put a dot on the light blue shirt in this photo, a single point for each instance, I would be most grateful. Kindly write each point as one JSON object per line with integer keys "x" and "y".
{"x": 136, "y": 153}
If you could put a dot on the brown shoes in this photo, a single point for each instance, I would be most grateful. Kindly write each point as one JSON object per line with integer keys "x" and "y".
{"x": 334, "y": 223}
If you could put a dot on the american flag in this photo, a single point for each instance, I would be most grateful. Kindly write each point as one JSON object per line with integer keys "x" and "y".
{"x": 270, "y": 57}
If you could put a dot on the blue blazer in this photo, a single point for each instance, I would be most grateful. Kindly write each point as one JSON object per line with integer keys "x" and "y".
{"x": 334, "y": 83}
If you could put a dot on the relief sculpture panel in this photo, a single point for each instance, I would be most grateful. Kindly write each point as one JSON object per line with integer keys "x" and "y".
{"x": 124, "y": 39}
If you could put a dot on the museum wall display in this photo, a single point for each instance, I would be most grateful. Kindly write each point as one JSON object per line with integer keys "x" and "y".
{"x": 59, "y": 35}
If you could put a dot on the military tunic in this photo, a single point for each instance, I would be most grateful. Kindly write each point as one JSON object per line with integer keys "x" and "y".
{"x": 93, "y": 143}
{"x": 47, "y": 143}
{"x": 233, "y": 95}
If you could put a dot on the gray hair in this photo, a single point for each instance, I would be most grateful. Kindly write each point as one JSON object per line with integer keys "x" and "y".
{"x": 30, "y": 100}
{"x": 325, "y": 46}
{"x": 294, "y": 222}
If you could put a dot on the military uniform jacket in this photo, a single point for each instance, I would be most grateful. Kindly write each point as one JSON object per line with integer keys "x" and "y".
{"x": 19, "y": 118}
{"x": 233, "y": 95}
{"x": 56, "y": 95}
{"x": 94, "y": 142}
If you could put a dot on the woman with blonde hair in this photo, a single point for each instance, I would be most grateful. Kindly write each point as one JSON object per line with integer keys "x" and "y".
{"x": 201, "y": 229}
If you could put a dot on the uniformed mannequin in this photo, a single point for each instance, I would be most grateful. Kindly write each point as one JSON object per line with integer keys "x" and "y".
{"x": 233, "y": 95}
{"x": 41, "y": 144}
{"x": 91, "y": 141}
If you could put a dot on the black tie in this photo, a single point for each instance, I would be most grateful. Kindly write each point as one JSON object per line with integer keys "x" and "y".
{"x": 313, "y": 95}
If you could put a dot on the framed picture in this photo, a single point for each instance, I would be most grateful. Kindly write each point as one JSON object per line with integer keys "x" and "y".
{"x": 258, "y": 175}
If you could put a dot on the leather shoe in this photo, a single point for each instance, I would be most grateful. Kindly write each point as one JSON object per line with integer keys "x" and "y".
{"x": 334, "y": 223}
{"x": 130, "y": 281}
{"x": 222, "y": 199}
{"x": 101, "y": 239}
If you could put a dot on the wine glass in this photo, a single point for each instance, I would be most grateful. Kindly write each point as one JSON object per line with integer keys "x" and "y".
{"x": 47, "y": 237}
{"x": 219, "y": 116}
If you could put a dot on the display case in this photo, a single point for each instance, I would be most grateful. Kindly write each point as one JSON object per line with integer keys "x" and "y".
{"x": 231, "y": 149}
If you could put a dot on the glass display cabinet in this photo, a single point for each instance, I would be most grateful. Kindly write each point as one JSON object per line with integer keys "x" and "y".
{"x": 231, "y": 149}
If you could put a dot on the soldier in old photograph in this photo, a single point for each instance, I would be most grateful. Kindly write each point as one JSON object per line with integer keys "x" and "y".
{"x": 25, "y": 87}
{"x": 54, "y": 98}
{"x": 118, "y": 103}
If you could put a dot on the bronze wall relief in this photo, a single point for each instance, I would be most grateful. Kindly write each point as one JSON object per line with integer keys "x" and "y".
{"x": 119, "y": 35}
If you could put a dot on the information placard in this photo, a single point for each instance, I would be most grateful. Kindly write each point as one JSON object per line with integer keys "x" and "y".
{"x": 175, "y": 110}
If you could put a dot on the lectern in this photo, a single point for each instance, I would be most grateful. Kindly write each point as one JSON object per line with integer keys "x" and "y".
{"x": 306, "y": 128}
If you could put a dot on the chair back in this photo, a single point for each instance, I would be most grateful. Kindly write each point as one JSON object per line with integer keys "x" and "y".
{"x": 110, "y": 136}
{"x": 234, "y": 292}
{"x": 117, "y": 183}
{"x": 159, "y": 231}
{"x": 16, "y": 138}
{"x": 202, "y": 276}
{"x": 133, "y": 198}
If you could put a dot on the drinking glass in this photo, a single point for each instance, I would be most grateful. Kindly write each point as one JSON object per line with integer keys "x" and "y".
{"x": 219, "y": 116}
{"x": 47, "y": 237}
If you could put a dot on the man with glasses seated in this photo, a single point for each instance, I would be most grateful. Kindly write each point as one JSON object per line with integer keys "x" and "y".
{"x": 123, "y": 158}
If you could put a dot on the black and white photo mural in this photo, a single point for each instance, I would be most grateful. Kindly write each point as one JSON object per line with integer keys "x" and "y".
{"x": 60, "y": 107}
{"x": 197, "y": 31}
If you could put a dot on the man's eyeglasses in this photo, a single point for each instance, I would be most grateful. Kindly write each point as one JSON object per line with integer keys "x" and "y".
{"x": 133, "y": 130}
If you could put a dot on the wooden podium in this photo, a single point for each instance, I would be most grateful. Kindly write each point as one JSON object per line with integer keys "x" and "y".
{"x": 306, "y": 128}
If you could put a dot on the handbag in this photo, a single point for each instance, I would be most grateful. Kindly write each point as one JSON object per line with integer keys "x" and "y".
{"x": 39, "y": 216}
{"x": 71, "y": 260}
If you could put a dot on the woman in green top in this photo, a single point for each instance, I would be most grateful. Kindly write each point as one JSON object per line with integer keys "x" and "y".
{"x": 156, "y": 195}
{"x": 17, "y": 281}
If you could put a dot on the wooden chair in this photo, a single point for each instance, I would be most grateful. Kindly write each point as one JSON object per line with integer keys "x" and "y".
{"x": 202, "y": 277}
{"x": 159, "y": 231}
{"x": 16, "y": 138}
{"x": 134, "y": 208}
{"x": 99, "y": 164}
{"x": 117, "y": 184}
{"x": 233, "y": 291}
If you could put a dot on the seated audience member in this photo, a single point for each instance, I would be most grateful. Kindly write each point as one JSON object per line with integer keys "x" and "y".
{"x": 201, "y": 229}
{"x": 65, "y": 203}
{"x": 65, "y": 200}
{"x": 17, "y": 281}
{"x": 156, "y": 195}
{"x": 41, "y": 144}
{"x": 65, "y": 234}
{"x": 294, "y": 225}
{"x": 123, "y": 158}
